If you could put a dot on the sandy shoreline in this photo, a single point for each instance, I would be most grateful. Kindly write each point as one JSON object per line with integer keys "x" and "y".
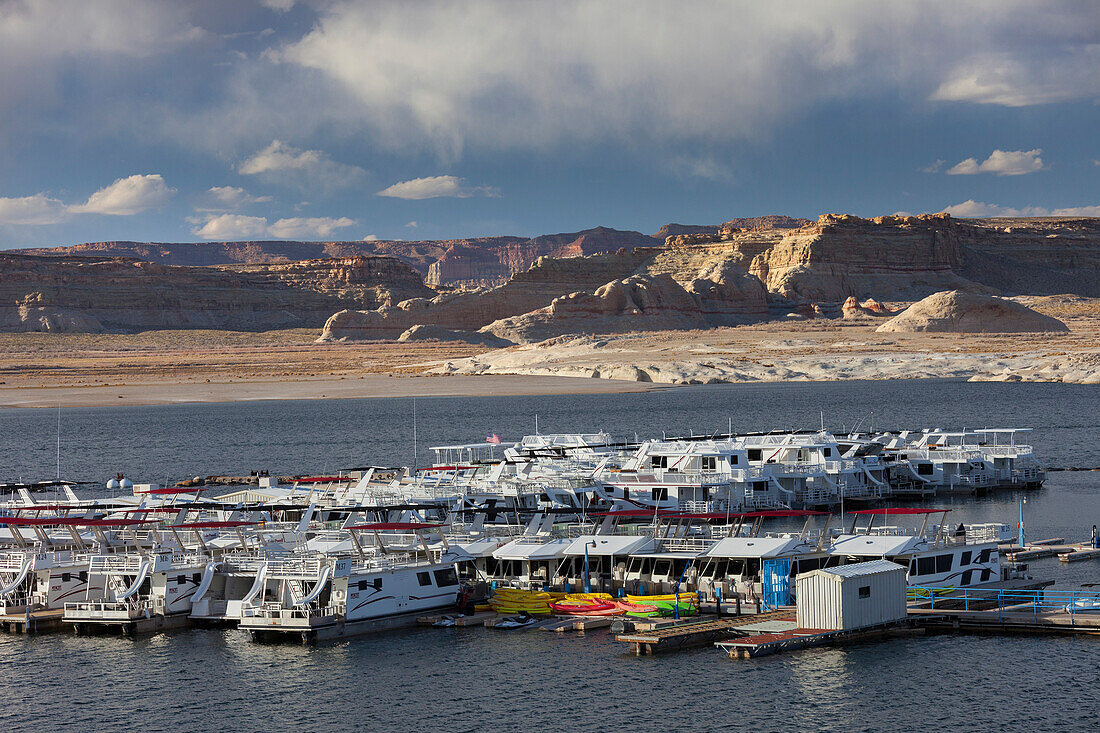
{"x": 367, "y": 386}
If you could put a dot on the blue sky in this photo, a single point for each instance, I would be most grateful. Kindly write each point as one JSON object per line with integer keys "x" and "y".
{"x": 168, "y": 121}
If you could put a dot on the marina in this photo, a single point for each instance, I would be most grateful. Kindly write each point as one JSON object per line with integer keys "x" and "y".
{"x": 533, "y": 546}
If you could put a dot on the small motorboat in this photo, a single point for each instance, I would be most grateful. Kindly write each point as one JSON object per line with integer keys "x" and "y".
{"x": 444, "y": 623}
{"x": 1085, "y": 605}
{"x": 515, "y": 622}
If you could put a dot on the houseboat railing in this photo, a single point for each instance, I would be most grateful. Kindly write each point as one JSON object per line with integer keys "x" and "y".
{"x": 1019, "y": 603}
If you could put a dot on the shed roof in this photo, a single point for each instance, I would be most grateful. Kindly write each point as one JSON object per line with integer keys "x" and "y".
{"x": 863, "y": 569}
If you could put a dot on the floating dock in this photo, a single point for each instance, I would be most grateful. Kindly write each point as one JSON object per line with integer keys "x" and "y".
{"x": 35, "y": 622}
{"x": 696, "y": 631}
{"x": 750, "y": 647}
{"x": 1078, "y": 555}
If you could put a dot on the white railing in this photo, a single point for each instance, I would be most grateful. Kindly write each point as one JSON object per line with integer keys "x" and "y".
{"x": 296, "y": 567}
{"x": 116, "y": 563}
{"x": 298, "y": 613}
{"x": 684, "y": 544}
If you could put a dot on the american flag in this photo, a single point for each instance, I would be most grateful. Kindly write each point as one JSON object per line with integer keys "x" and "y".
{"x": 492, "y": 438}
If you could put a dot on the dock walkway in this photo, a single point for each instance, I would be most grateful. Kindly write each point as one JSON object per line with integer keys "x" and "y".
{"x": 697, "y": 631}
{"x": 35, "y": 622}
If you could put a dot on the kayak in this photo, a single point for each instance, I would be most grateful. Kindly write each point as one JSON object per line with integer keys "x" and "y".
{"x": 682, "y": 597}
{"x": 585, "y": 608}
{"x": 636, "y": 608}
{"x": 668, "y": 608}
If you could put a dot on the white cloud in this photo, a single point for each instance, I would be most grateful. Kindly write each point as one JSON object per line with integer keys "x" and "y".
{"x": 412, "y": 225}
{"x": 934, "y": 167}
{"x": 503, "y": 74}
{"x": 35, "y": 210}
{"x": 1033, "y": 70}
{"x": 280, "y": 5}
{"x": 281, "y": 161}
{"x": 1001, "y": 163}
{"x": 705, "y": 167}
{"x": 229, "y": 198}
{"x": 233, "y": 226}
{"x": 436, "y": 187}
{"x": 127, "y": 196}
{"x": 304, "y": 228}
{"x": 371, "y": 238}
{"x": 239, "y": 226}
{"x": 971, "y": 209}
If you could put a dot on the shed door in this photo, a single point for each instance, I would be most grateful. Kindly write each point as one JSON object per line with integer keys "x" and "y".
{"x": 776, "y": 579}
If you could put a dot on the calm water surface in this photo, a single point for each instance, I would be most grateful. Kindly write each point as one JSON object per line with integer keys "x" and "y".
{"x": 480, "y": 679}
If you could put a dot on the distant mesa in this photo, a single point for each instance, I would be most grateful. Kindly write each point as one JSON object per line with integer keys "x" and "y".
{"x": 744, "y": 270}
{"x": 956, "y": 312}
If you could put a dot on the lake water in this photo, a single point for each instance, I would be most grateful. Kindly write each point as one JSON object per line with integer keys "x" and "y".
{"x": 480, "y": 679}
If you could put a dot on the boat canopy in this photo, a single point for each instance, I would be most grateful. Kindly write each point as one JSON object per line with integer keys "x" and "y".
{"x": 899, "y": 510}
{"x": 754, "y": 547}
{"x": 211, "y": 525}
{"x": 874, "y": 545}
{"x": 405, "y": 526}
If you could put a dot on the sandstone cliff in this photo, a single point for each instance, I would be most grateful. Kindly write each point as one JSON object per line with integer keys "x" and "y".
{"x": 635, "y": 303}
{"x": 535, "y": 288}
{"x": 95, "y": 294}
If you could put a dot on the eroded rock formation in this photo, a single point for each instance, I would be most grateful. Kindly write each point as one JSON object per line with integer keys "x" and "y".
{"x": 955, "y": 312}
{"x": 635, "y": 303}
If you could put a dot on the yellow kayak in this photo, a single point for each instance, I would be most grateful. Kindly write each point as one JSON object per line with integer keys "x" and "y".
{"x": 669, "y": 597}
{"x": 588, "y": 597}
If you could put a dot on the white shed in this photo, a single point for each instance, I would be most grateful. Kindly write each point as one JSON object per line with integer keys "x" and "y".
{"x": 851, "y": 596}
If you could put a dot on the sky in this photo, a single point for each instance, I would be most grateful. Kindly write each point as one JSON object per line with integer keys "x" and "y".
{"x": 173, "y": 121}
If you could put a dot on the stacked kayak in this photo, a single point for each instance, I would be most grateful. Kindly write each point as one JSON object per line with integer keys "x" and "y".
{"x": 586, "y": 607}
{"x": 638, "y": 610}
{"x": 666, "y": 605}
{"x": 513, "y": 600}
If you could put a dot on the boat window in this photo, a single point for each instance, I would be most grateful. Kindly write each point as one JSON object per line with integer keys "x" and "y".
{"x": 864, "y": 591}
{"x": 984, "y": 556}
{"x": 424, "y": 578}
{"x": 378, "y": 584}
{"x": 828, "y": 452}
{"x": 446, "y": 577}
{"x": 710, "y": 463}
{"x": 66, "y": 577}
{"x": 196, "y": 577}
{"x": 965, "y": 558}
{"x": 83, "y": 576}
{"x": 986, "y": 574}
{"x": 181, "y": 579}
{"x": 733, "y": 460}
{"x": 662, "y": 567}
{"x": 943, "y": 563}
{"x": 924, "y": 469}
{"x": 659, "y": 462}
{"x": 926, "y": 566}
{"x": 660, "y": 494}
{"x": 755, "y": 454}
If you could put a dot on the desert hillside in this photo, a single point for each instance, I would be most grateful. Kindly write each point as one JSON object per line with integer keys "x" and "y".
{"x": 97, "y": 294}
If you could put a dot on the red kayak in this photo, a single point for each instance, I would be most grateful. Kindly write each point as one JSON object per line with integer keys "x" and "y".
{"x": 586, "y": 608}
{"x": 628, "y": 607}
